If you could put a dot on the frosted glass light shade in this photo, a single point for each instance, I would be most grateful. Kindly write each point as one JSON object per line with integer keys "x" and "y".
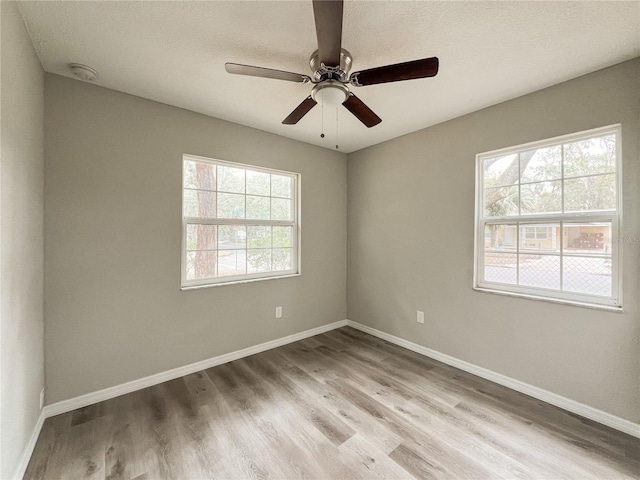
{"x": 332, "y": 96}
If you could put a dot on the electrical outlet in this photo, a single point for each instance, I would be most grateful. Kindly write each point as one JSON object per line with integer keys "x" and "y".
{"x": 420, "y": 317}
{"x": 41, "y": 398}
{"x": 278, "y": 312}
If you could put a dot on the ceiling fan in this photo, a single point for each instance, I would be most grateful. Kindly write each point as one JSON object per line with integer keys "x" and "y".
{"x": 330, "y": 65}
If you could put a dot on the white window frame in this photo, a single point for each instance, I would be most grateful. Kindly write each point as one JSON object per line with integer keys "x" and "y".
{"x": 249, "y": 277}
{"x": 614, "y": 216}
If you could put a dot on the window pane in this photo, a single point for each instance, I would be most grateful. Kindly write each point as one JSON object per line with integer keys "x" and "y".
{"x": 501, "y": 201}
{"x": 259, "y": 260}
{"x": 587, "y": 275}
{"x": 500, "y": 267}
{"x": 282, "y": 259}
{"x": 201, "y": 237}
{"x": 500, "y": 237}
{"x": 590, "y": 193}
{"x": 281, "y": 209}
{"x": 232, "y": 262}
{"x": 230, "y": 205}
{"x": 199, "y": 204}
{"x": 189, "y": 175}
{"x": 586, "y": 157}
{"x": 230, "y": 179}
{"x": 201, "y": 265}
{"x": 541, "y": 197}
{"x": 280, "y": 186}
{"x": 200, "y": 175}
{"x": 545, "y": 237}
{"x": 282, "y": 236}
{"x": 259, "y": 237}
{"x": 500, "y": 170}
{"x": 587, "y": 238}
{"x": 541, "y": 164}
{"x": 540, "y": 271}
{"x": 258, "y": 183}
{"x": 258, "y": 208}
{"x": 232, "y": 237}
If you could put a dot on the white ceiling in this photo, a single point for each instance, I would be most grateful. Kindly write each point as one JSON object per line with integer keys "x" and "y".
{"x": 174, "y": 52}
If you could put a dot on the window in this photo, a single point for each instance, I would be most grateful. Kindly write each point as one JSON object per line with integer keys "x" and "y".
{"x": 548, "y": 216}
{"x": 239, "y": 222}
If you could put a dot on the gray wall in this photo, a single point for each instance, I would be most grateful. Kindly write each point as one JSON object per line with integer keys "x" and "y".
{"x": 21, "y": 239}
{"x": 410, "y": 236}
{"x": 114, "y": 308}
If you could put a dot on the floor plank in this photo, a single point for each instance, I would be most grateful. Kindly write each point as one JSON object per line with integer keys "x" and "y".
{"x": 342, "y": 404}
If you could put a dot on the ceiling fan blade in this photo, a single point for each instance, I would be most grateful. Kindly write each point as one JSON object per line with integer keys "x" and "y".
{"x": 426, "y": 67}
{"x": 300, "y": 111}
{"x": 252, "y": 71}
{"x": 361, "y": 111}
{"x": 328, "y": 16}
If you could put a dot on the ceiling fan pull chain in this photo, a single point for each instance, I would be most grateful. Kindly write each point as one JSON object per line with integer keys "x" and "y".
{"x": 322, "y": 115}
{"x": 337, "y": 110}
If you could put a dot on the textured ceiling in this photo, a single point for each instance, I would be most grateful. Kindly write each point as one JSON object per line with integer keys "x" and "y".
{"x": 174, "y": 52}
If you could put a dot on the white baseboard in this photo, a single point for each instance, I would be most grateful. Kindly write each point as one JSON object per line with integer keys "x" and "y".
{"x": 586, "y": 411}
{"x": 28, "y": 449}
{"x": 65, "y": 406}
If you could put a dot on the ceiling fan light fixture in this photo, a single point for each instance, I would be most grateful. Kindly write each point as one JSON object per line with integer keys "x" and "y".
{"x": 330, "y": 93}
{"x": 332, "y": 97}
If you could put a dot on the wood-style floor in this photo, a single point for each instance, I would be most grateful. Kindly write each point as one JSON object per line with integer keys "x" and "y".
{"x": 339, "y": 405}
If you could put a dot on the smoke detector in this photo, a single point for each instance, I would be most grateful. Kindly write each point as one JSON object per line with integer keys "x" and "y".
{"x": 83, "y": 72}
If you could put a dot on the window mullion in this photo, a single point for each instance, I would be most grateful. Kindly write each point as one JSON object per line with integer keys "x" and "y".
{"x": 519, "y": 185}
{"x": 518, "y": 253}
{"x": 568, "y": 217}
{"x": 562, "y": 178}
{"x": 238, "y": 221}
{"x": 562, "y": 254}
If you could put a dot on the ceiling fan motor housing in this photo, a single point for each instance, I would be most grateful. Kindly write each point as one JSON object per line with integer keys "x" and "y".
{"x": 329, "y": 72}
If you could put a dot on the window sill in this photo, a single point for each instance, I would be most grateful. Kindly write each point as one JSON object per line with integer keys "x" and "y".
{"x": 574, "y": 303}
{"x": 237, "y": 282}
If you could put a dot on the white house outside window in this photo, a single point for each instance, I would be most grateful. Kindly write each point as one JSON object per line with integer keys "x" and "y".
{"x": 239, "y": 222}
{"x": 548, "y": 216}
